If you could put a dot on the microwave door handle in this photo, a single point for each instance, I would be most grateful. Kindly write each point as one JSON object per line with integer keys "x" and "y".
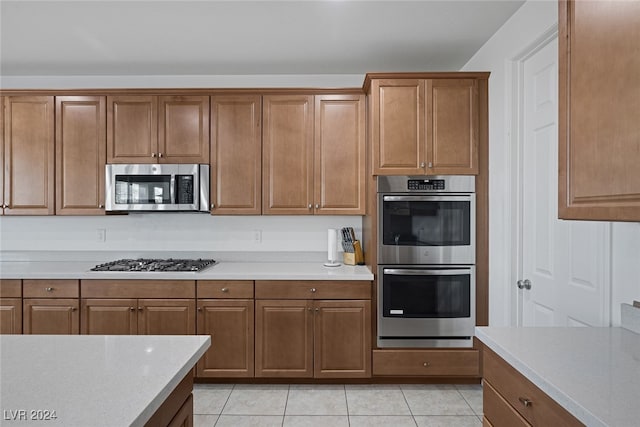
{"x": 421, "y": 272}
{"x": 172, "y": 189}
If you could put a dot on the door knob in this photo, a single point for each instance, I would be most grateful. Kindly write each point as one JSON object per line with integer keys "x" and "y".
{"x": 520, "y": 284}
{"x": 527, "y": 284}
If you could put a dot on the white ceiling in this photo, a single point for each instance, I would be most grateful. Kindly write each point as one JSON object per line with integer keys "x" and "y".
{"x": 64, "y": 38}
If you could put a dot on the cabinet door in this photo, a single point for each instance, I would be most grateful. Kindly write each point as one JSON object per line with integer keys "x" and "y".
{"x": 80, "y": 154}
{"x": 284, "y": 338}
{"x": 10, "y": 315}
{"x": 287, "y": 131}
{"x": 398, "y": 129}
{"x": 236, "y": 154}
{"x": 166, "y": 317}
{"x": 51, "y": 316}
{"x": 132, "y": 131}
{"x": 230, "y": 324}
{"x": 29, "y": 155}
{"x": 342, "y": 347}
{"x": 599, "y": 93}
{"x": 2, "y": 172}
{"x": 183, "y": 129}
{"x": 452, "y": 126}
{"x": 339, "y": 155}
{"x": 109, "y": 317}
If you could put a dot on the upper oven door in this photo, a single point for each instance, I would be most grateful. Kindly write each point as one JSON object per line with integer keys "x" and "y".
{"x": 152, "y": 187}
{"x": 426, "y": 229}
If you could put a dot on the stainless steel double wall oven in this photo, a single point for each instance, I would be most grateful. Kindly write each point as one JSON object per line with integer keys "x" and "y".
{"x": 426, "y": 261}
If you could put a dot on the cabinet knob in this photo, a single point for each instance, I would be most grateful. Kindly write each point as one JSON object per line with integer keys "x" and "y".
{"x": 213, "y": 205}
{"x": 139, "y": 308}
{"x": 159, "y": 154}
{"x": 199, "y": 308}
{"x": 430, "y": 165}
{"x": 308, "y": 308}
{"x": 49, "y": 289}
{"x": 526, "y": 402}
{"x": 153, "y": 154}
{"x": 422, "y": 164}
{"x": 101, "y": 206}
{"x": 225, "y": 289}
{"x": 317, "y": 309}
{"x": 73, "y": 309}
{"x": 310, "y": 206}
{"x": 132, "y": 309}
{"x": 426, "y": 364}
{"x": 317, "y": 206}
{"x": 312, "y": 289}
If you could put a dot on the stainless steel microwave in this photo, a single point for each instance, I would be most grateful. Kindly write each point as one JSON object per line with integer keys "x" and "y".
{"x": 157, "y": 187}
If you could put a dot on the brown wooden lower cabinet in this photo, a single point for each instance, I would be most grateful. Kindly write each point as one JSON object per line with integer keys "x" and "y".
{"x": 177, "y": 409}
{"x": 510, "y": 399}
{"x": 10, "y": 306}
{"x": 449, "y": 363}
{"x": 129, "y": 316}
{"x": 51, "y": 316}
{"x": 306, "y": 338}
{"x": 229, "y": 322}
{"x": 10, "y": 315}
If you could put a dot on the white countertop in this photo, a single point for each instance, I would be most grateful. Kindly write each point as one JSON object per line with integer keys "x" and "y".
{"x": 594, "y": 373}
{"x": 224, "y": 270}
{"x": 91, "y": 380}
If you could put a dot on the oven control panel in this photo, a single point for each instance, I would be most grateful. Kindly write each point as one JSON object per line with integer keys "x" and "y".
{"x": 425, "y": 184}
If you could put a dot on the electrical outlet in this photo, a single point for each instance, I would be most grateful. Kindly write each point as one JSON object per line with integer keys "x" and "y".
{"x": 257, "y": 236}
{"x": 102, "y": 235}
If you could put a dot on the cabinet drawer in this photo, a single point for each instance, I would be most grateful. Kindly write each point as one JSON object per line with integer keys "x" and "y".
{"x": 515, "y": 388}
{"x": 426, "y": 362}
{"x": 51, "y": 288}
{"x": 138, "y": 288}
{"x": 314, "y": 289}
{"x": 224, "y": 289}
{"x": 498, "y": 411}
{"x": 10, "y": 288}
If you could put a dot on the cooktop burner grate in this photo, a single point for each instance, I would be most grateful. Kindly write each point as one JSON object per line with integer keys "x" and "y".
{"x": 146, "y": 264}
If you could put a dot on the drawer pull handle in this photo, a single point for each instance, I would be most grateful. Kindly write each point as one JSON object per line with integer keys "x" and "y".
{"x": 225, "y": 289}
{"x": 426, "y": 364}
{"x": 526, "y": 402}
{"x": 313, "y": 289}
{"x": 49, "y": 289}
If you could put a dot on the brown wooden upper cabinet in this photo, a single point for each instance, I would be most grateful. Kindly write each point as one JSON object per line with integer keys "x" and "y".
{"x": 236, "y": 154}
{"x": 599, "y": 94}
{"x": 157, "y": 129}
{"x": 313, "y": 154}
{"x": 80, "y": 154}
{"x": 28, "y": 155}
{"x": 425, "y": 126}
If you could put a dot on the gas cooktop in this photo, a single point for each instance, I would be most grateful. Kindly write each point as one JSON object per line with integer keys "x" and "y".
{"x": 146, "y": 264}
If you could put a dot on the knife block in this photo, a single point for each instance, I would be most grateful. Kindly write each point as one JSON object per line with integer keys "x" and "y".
{"x": 353, "y": 258}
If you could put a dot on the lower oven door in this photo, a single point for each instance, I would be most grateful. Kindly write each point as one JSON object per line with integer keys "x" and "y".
{"x": 426, "y": 306}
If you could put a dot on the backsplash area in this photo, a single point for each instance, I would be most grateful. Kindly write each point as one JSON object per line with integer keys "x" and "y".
{"x": 174, "y": 232}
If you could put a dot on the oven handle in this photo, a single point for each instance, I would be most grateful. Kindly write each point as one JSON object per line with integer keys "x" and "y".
{"x": 443, "y": 198}
{"x": 422, "y": 272}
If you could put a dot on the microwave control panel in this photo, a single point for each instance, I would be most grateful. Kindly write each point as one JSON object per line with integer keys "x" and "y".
{"x": 425, "y": 184}
{"x": 185, "y": 189}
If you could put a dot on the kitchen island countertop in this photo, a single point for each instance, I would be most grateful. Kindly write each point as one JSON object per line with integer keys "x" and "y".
{"x": 594, "y": 373}
{"x": 91, "y": 380}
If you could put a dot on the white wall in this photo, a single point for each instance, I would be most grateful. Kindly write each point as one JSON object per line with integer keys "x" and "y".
{"x": 171, "y": 231}
{"x": 529, "y": 23}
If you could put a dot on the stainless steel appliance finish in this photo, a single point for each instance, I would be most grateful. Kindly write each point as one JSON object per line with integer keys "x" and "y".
{"x": 426, "y": 220}
{"x": 426, "y": 280}
{"x": 426, "y": 306}
{"x": 147, "y": 264}
{"x": 157, "y": 187}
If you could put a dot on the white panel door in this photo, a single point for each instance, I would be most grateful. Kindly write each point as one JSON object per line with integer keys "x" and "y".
{"x": 564, "y": 263}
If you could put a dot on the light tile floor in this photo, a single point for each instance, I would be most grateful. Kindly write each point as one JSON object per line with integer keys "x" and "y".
{"x": 337, "y": 405}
